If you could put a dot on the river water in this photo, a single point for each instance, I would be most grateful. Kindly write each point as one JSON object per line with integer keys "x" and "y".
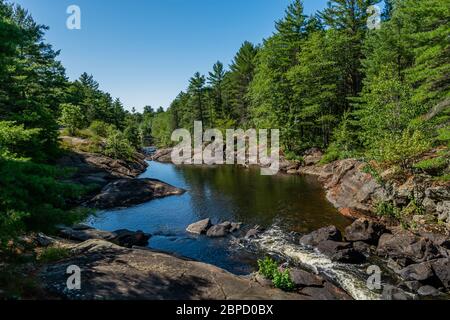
{"x": 223, "y": 193}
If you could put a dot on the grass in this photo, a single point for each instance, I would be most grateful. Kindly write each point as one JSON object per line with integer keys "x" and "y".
{"x": 53, "y": 254}
{"x": 432, "y": 166}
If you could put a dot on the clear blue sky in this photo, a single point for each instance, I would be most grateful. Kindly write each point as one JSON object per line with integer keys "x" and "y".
{"x": 144, "y": 51}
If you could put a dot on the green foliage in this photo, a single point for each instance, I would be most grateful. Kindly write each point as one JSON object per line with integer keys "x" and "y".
{"x": 102, "y": 129}
{"x": 402, "y": 150}
{"x": 53, "y": 254}
{"x": 269, "y": 269}
{"x": 283, "y": 281}
{"x": 72, "y": 117}
{"x": 432, "y": 166}
{"x": 118, "y": 147}
{"x": 387, "y": 209}
{"x": 34, "y": 199}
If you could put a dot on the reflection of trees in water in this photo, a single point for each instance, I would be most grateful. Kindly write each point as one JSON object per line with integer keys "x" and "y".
{"x": 245, "y": 195}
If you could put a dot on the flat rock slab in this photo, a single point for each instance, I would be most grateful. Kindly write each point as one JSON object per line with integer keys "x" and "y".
{"x": 129, "y": 192}
{"x": 110, "y": 272}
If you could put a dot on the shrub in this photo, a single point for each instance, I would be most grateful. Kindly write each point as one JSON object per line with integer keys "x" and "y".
{"x": 118, "y": 147}
{"x": 401, "y": 150}
{"x": 72, "y": 117}
{"x": 102, "y": 129}
{"x": 387, "y": 209}
{"x": 52, "y": 254}
{"x": 281, "y": 280}
{"x": 432, "y": 166}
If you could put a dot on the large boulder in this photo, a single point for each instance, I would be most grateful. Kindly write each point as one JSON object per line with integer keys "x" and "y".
{"x": 303, "y": 278}
{"x": 328, "y": 233}
{"x": 364, "y": 230}
{"x": 219, "y": 230}
{"x": 129, "y": 192}
{"x": 441, "y": 268}
{"x": 162, "y": 155}
{"x": 417, "y": 272}
{"x": 312, "y": 156}
{"x": 340, "y": 252}
{"x": 200, "y": 227}
{"x": 129, "y": 239}
{"x": 407, "y": 248}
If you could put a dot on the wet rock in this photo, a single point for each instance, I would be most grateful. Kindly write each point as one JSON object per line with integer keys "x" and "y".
{"x": 362, "y": 247}
{"x": 407, "y": 248}
{"x": 364, "y": 230}
{"x": 341, "y": 252}
{"x": 253, "y": 233}
{"x": 235, "y": 226}
{"x": 428, "y": 291}
{"x": 303, "y": 278}
{"x": 219, "y": 230}
{"x": 441, "y": 268}
{"x": 162, "y": 155}
{"x": 128, "y": 239}
{"x": 128, "y": 192}
{"x": 419, "y": 272}
{"x": 328, "y": 233}
{"x": 200, "y": 227}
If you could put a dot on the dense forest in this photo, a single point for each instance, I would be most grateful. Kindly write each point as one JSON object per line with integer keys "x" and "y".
{"x": 329, "y": 81}
{"x": 325, "y": 81}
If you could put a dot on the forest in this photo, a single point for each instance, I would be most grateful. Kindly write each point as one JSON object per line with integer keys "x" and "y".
{"x": 325, "y": 81}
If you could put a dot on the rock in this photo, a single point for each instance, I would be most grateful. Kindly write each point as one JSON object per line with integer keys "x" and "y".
{"x": 413, "y": 285}
{"x": 407, "y": 248}
{"x": 312, "y": 156}
{"x": 162, "y": 155}
{"x": 341, "y": 252}
{"x": 443, "y": 211}
{"x": 253, "y": 233}
{"x": 362, "y": 247}
{"x": 393, "y": 293}
{"x": 303, "y": 278}
{"x": 110, "y": 272}
{"x": 438, "y": 239}
{"x": 219, "y": 230}
{"x": 292, "y": 171}
{"x": 419, "y": 272}
{"x": 42, "y": 240}
{"x": 128, "y": 239}
{"x": 200, "y": 227}
{"x": 129, "y": 192}
{"x": 263, "y": 281}
{"x": 441, "y": 268}
{"x": 328, "y": 233}
{"x": 364, "y": 230}
{"x": 428, "y": 291}
{"x": 85, "y": 234}
{"x": 235, "y": 226}
{"x": 329, "y": 292}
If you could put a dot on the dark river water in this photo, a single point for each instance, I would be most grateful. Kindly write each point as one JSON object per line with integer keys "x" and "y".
{"x": 223, "y": 193}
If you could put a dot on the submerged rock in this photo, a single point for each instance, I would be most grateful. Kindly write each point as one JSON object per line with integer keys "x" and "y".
{"x": 129, "y": 192}
{"x": 200, "y": 227}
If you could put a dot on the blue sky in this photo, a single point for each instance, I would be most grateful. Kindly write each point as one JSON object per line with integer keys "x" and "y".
{"x": 144, "y": 51}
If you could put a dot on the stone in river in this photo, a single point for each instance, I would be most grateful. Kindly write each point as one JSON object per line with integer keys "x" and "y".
{"x": 200, "y": 227}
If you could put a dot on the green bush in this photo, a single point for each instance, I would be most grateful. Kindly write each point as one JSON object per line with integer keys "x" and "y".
{"x": 281, "y": 280}
{"x": 432, "y": 166}
{"x": 400, "y": 150}
{"x": 118, "y": 147}
{"x": 388, "y": 209}
{"x": 102, "y": 129}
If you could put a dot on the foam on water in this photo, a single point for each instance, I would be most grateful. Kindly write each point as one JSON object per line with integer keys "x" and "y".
{"x": 349, "y": 277}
